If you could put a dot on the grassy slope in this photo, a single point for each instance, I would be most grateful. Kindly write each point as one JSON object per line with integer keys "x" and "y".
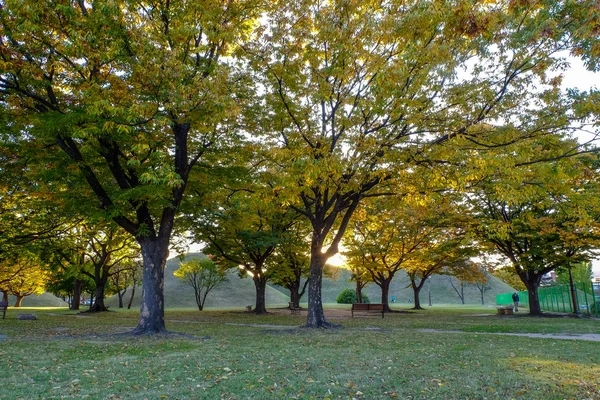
{"x": 441, "y": 290}
{"x": 238, "y": 292}
{"x": 43, "y": 300}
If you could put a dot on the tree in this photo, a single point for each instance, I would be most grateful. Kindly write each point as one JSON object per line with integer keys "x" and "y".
{"x": 581, "y": 272}
{"x": 107, "y": 249}
{"x": 28, "y": 277}
{"x": 508, "y": 275}
{"x": 551, "y": 221}
{"x": 355, "y": 94}
{"x": 123, "y": 277}
{"x": 360, "y": 275}
{"x": 289, "y": 267}
{"x": 128, "y": 98}
{"x": 201, "y": 274}
{"x": 243, "y": 229}
{"x": 483, "y": 283}
{"x": 460, "y": 290}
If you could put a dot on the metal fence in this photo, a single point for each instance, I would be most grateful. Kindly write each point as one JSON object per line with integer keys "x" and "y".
{"x": 558, "y": 299}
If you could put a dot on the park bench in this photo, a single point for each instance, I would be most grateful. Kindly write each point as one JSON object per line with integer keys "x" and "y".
{"x": 505, "y": 310}
{"x": 368, "y": 308}
{"x": 293, "y": 308}
{"x": 3, "y": 307}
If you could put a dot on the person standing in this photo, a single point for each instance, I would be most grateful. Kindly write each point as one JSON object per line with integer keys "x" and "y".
{"x": 515, "y": 298}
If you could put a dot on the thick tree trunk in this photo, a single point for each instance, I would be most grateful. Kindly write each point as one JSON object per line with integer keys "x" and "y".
{"x": 19, "y": 300}
{"x": 294, "y": 295}
{"x": 359, "y": 296}
{"x": 316, "y": 316}
{"x": 98, "y": 304}
{"x": 532, "y": 282}
{"x": 260, "y": 283}
{"x": 416, "y": 290}
{"x": 76, "y": 294}
{"x": 152, "y": 308}
{"x": 385, "y": 291}
{"x": 4, "y": 296}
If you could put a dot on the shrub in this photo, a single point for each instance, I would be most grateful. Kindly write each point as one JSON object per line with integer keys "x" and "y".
{"x": 348, "y": 296}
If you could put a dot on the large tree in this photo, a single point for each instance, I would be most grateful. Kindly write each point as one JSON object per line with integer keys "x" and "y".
{"x": 546, "y": 218}
{"x": 243, "y": 228}
{"x": 128, "y": 96}
{"x": 355, "y": 94}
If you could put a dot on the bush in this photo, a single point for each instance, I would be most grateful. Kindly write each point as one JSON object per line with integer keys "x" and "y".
{"x": 348, "y": 296}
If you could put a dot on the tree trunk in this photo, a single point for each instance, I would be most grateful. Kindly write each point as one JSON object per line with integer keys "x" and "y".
{"x": 19, "y": 300}
{"x": 573, "y": 292}
{"x": 359, "y": 296}
{"x": 98, "y": 304}
{"x": 532, "y": 282}
{"x": 131, "y": 298}
{"x": 152, "y": 308}
{"x": 416, "y": 291}
{"x": 76, "y": 294}
{"x": 316, "y": 316}
{"x": 260, "y": 283}
{"x": 482, "y": 301}
{"x": 4, "y": 296}
{"x": 384, "y": 284}
{"x": 120, "y": 295}
{"x": 294, "y": 295}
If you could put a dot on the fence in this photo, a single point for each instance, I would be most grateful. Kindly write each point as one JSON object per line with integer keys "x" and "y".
{"x": 558, "y": 299}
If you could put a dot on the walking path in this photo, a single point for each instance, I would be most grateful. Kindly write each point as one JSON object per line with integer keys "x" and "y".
{"x": 591, "y": 337}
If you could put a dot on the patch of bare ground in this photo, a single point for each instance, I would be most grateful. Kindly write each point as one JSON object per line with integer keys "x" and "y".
{"x": 591, "y": 337}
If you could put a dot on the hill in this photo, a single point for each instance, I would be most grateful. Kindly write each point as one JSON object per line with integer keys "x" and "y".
{"x": 237, "y": 292}
{"x": 240, "y": 292}
{"x": 439, "y": 285}
{"x": 43, "y": 300}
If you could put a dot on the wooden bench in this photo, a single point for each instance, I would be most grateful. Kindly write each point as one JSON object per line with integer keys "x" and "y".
{"x": 293, "y": 308}
{"x": 505, "y": 310}
{"x": 368, "y": 308}
{"x": 3, "y": 307}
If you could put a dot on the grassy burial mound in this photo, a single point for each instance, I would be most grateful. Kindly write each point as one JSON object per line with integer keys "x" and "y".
{"x": 43, "y": 300}
{"x": 237, "y": 292}
{"x": 441, "y": 289}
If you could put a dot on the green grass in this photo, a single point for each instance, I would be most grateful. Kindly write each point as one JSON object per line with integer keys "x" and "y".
{"x": 235, "y": 355}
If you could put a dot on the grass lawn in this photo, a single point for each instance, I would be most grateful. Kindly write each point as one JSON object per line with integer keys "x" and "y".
{"x": 235, "y": 355}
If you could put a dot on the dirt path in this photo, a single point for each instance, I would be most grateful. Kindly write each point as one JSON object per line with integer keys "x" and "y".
{"x": 591, "y": 337}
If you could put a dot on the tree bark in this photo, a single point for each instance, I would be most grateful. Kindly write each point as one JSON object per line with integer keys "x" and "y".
{"x": 19, "y": 300}
{"x": 416, "y": 291}
{"x": 532, "y": 282}
{"x": 316, "y": 316}
{"x": 131, "y": 298}
{"x": 359, "y": 287}
{"x": 260, "y": 283}
{"x": 4, "y": 296}
{"x": 98, "y": 304}
{"x": 120, "y": 295}
{"x": 77, "y": 284}
{"x": 152, "y": 308}
{"x": 384, "y": 284}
